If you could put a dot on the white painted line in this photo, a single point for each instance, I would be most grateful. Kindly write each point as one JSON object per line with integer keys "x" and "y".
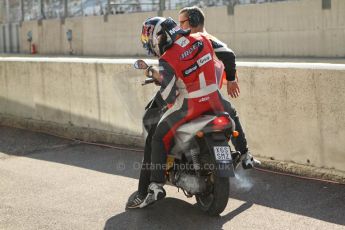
{"x": 283, "y": 65}
{"x": 292, "y": 65}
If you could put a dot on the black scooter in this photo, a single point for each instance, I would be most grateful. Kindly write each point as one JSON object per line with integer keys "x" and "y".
{"x": 201, "y": 161}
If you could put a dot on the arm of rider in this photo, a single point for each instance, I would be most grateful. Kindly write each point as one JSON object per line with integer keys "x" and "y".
{"x": 153, "y": 71}
{"x": 233, "y": 87}
{"x": 228, "y": 57}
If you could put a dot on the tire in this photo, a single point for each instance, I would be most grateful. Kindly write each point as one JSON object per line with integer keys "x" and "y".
{"x": 215, "y": 202}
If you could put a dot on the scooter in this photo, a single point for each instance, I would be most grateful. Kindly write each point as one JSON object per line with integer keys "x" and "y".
{"x": 201, "y": 160}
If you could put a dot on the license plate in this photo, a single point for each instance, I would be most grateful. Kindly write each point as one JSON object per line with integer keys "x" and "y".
{"x": 222, "y": 153}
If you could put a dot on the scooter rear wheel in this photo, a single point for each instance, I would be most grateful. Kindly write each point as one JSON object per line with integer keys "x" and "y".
{"x": 215, "y": 202}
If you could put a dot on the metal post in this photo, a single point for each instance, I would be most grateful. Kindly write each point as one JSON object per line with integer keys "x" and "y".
{"x": 82, "y": 7}
{"x": 161, "y": 7}
{"x": 17, "y": 39}
{"x": 4, "y": 37}
{"x": 7, "y": 11}
{"x": 64, "y": 15}
{"x": 9, "y": 26}
{"x": 21, "y": 10}
{"x": 42, "y": 15}
{"x": 42, "y": 9}
{"x": 108, "y": 7}
{"x": 231, "y": 7}
{"x": 107, "y": 11}
{"x": 65, "y": 8}
{"x": 7, "y": 29}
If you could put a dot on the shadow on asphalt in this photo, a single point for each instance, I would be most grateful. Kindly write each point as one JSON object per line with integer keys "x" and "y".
{"x": 314, "y": 199}
{"x": 167, "y": 215}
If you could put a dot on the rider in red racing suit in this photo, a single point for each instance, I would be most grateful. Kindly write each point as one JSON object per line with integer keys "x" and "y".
{"x": 192, "y": 73}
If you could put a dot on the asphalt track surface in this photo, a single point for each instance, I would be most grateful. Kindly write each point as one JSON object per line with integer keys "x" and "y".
{"x": 52, "y": 183}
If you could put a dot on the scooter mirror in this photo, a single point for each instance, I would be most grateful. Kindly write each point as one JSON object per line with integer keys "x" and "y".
{"x": 140, "y": 64}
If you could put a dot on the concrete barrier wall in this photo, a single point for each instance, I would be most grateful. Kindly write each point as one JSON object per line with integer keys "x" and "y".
{"x": 295, "y": 114}
{"x": 291, "y": 112}
{"x": 100, "y": 97}
{"x": 294, "y": 28}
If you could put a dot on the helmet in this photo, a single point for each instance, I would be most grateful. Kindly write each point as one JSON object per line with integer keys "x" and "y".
{"x": 158, "y": 34}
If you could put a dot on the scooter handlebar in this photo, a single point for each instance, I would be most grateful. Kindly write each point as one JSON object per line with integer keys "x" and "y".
{"x": 148, "y": 81}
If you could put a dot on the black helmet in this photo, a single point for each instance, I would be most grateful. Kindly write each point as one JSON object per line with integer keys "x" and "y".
{"x": 158, "y": 34}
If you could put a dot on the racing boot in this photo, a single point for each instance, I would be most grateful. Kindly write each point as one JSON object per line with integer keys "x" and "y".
{"x": 135, "y": 200}
{"x": 155, "y": 192}
{"x": 248, "y": 161}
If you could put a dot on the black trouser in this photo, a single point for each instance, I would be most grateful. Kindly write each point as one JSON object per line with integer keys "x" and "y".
{"x": 240, "y": 144}
{"x": 145, "y": 172}
{"x": 155, "y": 173}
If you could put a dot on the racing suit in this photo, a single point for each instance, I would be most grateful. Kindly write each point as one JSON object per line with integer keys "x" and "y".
{"x": 187, "y": 67}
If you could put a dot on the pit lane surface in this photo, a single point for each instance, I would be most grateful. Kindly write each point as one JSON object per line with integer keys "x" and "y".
{"x": 52, "y": 183}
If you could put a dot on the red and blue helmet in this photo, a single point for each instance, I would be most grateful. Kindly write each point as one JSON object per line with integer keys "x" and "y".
{"x": 158, "y": 34}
